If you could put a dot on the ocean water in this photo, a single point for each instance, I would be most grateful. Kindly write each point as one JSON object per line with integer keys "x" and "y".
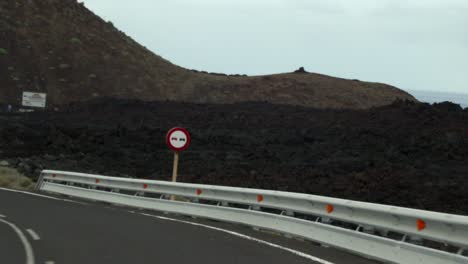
{"x": 438, "y": 97}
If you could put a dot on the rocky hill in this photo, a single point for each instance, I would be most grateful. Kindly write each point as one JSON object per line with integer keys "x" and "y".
{"x": 61, "y": 48}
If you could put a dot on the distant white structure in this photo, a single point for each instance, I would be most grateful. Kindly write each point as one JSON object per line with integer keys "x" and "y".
{"x": 32, "y": 99}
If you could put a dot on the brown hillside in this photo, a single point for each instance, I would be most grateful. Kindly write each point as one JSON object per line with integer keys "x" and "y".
{"x": 61, "y": 48}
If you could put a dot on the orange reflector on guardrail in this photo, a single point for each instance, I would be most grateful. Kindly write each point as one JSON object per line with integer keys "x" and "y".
{"x": 97, "y": 180}
{"x": 259, "y": 198}
{"x": 199, "y": 191}
{"x": 330, "y": 208}
{"x": 420, "y": 224}
{"x": 145, "y": 186}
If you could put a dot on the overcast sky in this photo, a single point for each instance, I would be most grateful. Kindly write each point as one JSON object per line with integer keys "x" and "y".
{"x": 415, "y": 45}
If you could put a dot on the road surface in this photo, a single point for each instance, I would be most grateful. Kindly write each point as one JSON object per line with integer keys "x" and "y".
{"x": 36, "y": 229}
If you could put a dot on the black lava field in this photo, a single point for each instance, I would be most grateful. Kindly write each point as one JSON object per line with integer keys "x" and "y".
{"x": 407, "y": 154}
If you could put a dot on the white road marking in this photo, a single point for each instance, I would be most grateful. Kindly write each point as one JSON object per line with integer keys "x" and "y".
{"x": 30, "y": 193}
{"x": 2, "y": 216}
{"x": 43, "y": 196}
{"x": 71, "y": 201}
{"x": 33, "y": 234}
{"x": 298, "y": 253}
{"x": 49, "y": 262}
{"x": 27, "y": 246}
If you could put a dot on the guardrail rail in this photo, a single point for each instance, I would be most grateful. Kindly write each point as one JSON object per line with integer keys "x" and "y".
{"x": 387, "y": 233}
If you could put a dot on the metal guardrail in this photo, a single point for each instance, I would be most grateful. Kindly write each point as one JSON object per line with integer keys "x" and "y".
{"x": 387, "y": 233}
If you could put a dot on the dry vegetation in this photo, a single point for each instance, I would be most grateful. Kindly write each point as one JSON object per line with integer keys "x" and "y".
{"x": 12, "y": 179}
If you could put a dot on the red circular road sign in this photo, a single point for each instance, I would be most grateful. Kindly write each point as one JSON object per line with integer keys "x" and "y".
{"x": 178, "y": 139}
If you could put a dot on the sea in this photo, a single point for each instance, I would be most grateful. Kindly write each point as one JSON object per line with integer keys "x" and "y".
{"x": 438, "y": 97}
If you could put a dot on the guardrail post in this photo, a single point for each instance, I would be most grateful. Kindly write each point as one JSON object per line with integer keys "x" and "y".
{"x": 461, "y": 251}
{"x": 403, "y": 239}
{"x": 287, "y": 213}
{"x": 140, "y": 194}
{"x": 415, "y": 240}
{"x": 254, "y": 207}
{"x": 384, "y": 233}
{"x": 223, "y": 203}
{"x": 368, "y": 230}
{"x": 39, "y": 182}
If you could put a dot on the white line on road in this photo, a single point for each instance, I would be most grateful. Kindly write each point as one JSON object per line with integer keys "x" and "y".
{"x": 49, "y": 262}
{"x": 298, "y": 253}
{"x": 43, "y": 196}
{"x": 30, "y": 193}
{"x": 2, "y": 216}
{"x": 71, "y": 201}
{"x": 33, "y": 234}
{"x": 27, "y": 246}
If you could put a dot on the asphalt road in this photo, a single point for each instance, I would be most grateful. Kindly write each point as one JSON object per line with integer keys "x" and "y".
{"x": 76, "y": 232}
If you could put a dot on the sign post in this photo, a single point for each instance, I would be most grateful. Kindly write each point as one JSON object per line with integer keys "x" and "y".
{"x": 178, "y": 139}
{"x": 175, "y": 167}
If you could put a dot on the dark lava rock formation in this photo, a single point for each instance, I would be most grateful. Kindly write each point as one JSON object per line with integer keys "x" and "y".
{"x": 405, "y": 154}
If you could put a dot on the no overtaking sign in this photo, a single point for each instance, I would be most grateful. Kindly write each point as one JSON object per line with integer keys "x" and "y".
{"x": 178, "y": 139}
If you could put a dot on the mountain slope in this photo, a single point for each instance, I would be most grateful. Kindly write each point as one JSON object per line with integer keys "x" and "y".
{"x": 61, "y": 48}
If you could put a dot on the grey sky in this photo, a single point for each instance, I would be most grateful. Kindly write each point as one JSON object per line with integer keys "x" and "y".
{"x": 417, "y": 44}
